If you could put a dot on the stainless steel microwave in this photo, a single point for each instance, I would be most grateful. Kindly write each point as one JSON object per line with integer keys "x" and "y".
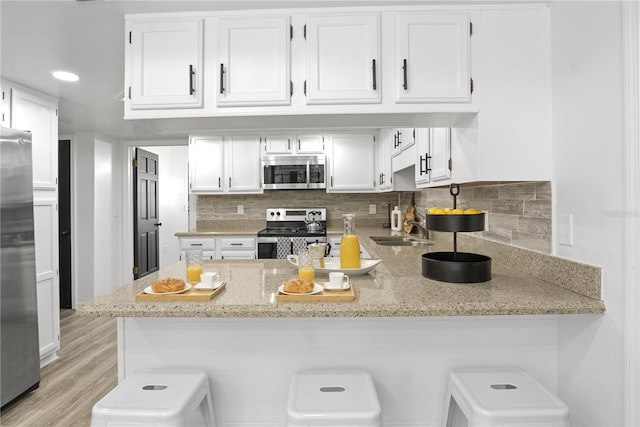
{"x": 294, "y": 172}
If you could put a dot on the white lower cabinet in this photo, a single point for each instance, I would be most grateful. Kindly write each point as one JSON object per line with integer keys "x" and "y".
{"x": 227, "y": 247}
{"x": 238, "y": 247}
{"x": 206, "y": 244}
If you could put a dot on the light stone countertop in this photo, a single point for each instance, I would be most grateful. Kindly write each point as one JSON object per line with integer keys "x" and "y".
{"x": 522, "y": 284}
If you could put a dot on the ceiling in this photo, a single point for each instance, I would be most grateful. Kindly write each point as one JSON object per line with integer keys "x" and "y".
{"x": 87, "y": 38}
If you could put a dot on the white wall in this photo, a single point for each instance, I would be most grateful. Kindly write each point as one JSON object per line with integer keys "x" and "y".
{"x": 588, "y": 141}
{"x": 98, "y": 216}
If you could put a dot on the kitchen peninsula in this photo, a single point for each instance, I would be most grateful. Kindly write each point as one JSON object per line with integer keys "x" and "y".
{"x": 408, "y": 331}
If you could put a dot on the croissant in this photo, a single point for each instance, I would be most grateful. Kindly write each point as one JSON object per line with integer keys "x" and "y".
{"x": 298, "y": 286}
{"x": 168, "y": 284}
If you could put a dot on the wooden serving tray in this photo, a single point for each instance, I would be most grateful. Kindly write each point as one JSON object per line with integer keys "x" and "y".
{"x": 192, "y": 294}
{"x": 325, "y": 295}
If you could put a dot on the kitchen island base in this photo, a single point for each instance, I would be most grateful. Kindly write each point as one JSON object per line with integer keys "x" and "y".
{"x": 250, "y": 361}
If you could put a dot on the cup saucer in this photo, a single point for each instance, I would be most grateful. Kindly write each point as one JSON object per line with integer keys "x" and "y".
{"x": 201, "y": 285}
{"x": 327, "y": 286}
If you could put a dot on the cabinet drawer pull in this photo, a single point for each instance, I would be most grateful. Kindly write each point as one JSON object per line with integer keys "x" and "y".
{"x": 374, "y": 73}
{"x": 195, "y": 244}
{"x": 404, "y": 73}
{"x": 192, "y": 90}
{"x": 236, "y": 244}
{"x": 222, "y": 78}
{"x": 219, "y": 182}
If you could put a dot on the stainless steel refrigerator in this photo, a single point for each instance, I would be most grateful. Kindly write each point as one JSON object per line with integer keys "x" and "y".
{"x": 20, "y": 368}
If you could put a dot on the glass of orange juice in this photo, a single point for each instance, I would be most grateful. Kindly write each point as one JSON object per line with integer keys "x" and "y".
{"x": 193, "y": 259}
{"x": 305, "y": 266}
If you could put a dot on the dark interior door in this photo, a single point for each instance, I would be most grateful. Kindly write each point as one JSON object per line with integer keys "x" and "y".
{"x": 64, "y": 221}
{"x": 145, "y": 213}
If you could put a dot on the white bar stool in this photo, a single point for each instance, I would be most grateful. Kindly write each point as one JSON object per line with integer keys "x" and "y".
{"x": 159, "y": 397}
{"x": 504, "y": 397}
{"x": 345, "y": 398}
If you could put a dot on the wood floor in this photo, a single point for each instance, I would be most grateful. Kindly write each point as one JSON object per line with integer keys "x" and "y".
{"x": 70, "y": 386}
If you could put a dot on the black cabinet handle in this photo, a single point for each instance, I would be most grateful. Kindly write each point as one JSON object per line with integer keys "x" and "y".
{"x": 395, "y": 140}
{"x": 219, "y": 182}
{"x": 425, "y": 159}
{"x": 374, "y": 73}
{"x": 404, "y": 73}
{"x": 158, "y": 224}
{"x": 191, "y": 74}
{"x": 222, "y": 78}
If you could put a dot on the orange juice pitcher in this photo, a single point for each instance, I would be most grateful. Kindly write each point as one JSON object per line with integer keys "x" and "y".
{"x": 350, "y": 245}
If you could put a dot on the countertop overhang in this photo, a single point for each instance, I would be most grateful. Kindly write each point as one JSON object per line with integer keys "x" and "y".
{"x": 538, "y": 285}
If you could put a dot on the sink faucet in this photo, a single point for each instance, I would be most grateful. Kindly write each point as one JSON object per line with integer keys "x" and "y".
{"x": 420, "y": 225}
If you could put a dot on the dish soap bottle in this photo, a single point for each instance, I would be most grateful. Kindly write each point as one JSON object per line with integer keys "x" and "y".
{"x": 350, "y": 245}
{"x": 395, "y": 219}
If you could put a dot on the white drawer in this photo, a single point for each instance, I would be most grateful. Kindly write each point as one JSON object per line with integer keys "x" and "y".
{"x": 198, "y": 243}
{"x": 238, "y": 243}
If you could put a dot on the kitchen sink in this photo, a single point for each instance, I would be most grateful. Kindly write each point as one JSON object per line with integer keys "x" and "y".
{"x": 399, "y": 241}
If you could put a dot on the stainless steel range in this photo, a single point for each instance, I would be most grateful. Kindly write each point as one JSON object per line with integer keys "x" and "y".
{"x": 290, "y": 230}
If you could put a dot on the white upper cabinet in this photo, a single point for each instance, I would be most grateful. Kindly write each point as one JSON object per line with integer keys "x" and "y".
{"x": 39, "y": 115}
{"x": 165, "y": 64}
{"x": 293, "y": 144}
{"x": 254, "y": 66}
{"x": 206, "y": 160}
{"x": 229, "y": 164}
{"x": 242, "y": 156}
{"x": 352, "y": 162}
{"x": 343, "y": 59}
{"x": 433, "y": 57}
{"x": 5, "y": 107}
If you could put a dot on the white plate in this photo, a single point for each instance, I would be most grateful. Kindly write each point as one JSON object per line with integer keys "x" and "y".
{"x": 199, "y": 285}
{"x": 333, "y": 264}
{"x": 344, "y": 287}
{"x": 317, "y": 288}
{"x": 149, "y": 291}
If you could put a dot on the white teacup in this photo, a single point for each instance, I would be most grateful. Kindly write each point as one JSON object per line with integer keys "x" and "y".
{"x": 209, "y": 280}
{"x": 337, "y": 281}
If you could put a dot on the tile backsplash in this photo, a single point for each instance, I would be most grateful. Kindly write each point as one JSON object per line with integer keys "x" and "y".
{"x": 519, "y": 213}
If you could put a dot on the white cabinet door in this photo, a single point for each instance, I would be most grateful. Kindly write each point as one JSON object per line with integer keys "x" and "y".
{"x": 352, "y": 162}
{"x": 238, "y": 247}
{"x": 39, "y": 116}
{"x": 343, "y": 59}
{"x": 206, "y": 160}
{"x": 294, "y": 144}
{"x": 310, "y": 144}
{"x": 254, "y": 61}
{"x": 403, "y": 138}
{"x": 45, "y": 219}
{"x": 423, "y": 157}
{"x": 385, "y": 174}
{"x": 278, "y": 144}
{"x": 433, "y": 57}
{"x": 165, "y": 64}
{"x": 5, "y": 107}
{"x": 242, "y": 154}
{"x": 440, "y": 149}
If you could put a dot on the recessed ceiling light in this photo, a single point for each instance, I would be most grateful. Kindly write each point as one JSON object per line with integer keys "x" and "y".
{"x": 66, "y": 76}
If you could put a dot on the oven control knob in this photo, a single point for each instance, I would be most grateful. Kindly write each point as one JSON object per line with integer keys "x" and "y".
{"x": 271, "y": 213}
{"x": 278, "y": 213}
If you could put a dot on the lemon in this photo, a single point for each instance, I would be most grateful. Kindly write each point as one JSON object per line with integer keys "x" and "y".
{"x": 457, "y": 211}
{"x": 448, "y": 210}
{"x": 471, "y": 211}
{"x": 439, "y": 212}
{"x": 432, "y": 210}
